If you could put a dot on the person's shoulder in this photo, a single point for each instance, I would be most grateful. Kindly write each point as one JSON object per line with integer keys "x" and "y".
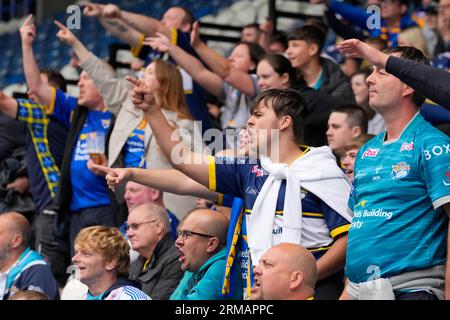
{"x": 134, "y": 293}
{"x": 424, "y": 134}
{"x": 37, "y": 270}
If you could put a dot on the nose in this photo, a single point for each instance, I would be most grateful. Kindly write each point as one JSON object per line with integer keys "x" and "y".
{"x": 250, "y": 122}
{"x": 370, "y": 79}
{"x": 179, "y": 242}
{"x": 130, "y": 233}
{"x": 75, "y": 258}
{"x": 345, "y": 162}
{"x": 329, "y": 132}
{"x": 257, "y": 270}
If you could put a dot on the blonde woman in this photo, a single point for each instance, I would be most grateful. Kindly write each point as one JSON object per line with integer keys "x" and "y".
{"x": 413, "y": 37}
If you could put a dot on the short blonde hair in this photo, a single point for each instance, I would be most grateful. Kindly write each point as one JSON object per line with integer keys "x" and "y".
{"x": 109, "y": 242}
{"x": 413, "y": 37}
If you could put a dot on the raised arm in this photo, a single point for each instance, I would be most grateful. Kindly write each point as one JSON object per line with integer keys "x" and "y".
{"x": 8, "y": 105}
{"x": 207, "y": 79}
{"x": 433, "y": 83}
{"x": 221, "y": 66}
{"x": 32, "y": 74}
{"x": 143, "y": 24}
{"x": 115, "y": 26}
{"x": 113, "y": 91}
{"x": 194, "y": 165}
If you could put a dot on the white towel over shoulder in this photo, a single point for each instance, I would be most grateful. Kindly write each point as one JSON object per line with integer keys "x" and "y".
{"x": 315, "y": 171}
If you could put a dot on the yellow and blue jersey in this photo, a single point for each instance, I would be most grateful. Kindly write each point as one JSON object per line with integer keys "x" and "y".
{"x": 45, "y": 143}
{"x": 88, "y": 189}
{"x": 399, "y": 188}
{"x": 134, "y": 149}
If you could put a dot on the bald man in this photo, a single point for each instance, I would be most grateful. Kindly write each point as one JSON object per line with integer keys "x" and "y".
{"x": 157, "y": 268}
{"x": 137, "y": 194}
{"x": 285, "y": 272}
{"x": 201, "y": 242}
{"x": 20, "y": 267}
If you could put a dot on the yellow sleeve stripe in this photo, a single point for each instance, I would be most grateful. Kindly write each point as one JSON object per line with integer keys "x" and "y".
{"x": 340, "y": 230}
{"x": 319, "y": 249}
{"x": 137, "y": 49}
{"x": 312, "y": 214}
{"x": 219, "y": 201}
{"x": 51, "y": 108}
{"x": 212, "y": 173}
{"x": 174, "y": 37}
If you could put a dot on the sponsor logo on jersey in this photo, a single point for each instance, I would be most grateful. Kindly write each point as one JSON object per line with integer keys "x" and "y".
{"x": 446, "y": 180}
{"x": 407, "y": 146}
{"x": 436, "y": 151}
{"x": 256, "y": 170}
{"x": 361, "y": 204}
{"x": 400, "y": 170}
{"x": 370, "y": 153}
{"x": 105, "y": 123}
{"x": 252, "y": 191}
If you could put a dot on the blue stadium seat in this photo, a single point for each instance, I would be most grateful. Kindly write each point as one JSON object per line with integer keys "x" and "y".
{"x": 50, "y": 52}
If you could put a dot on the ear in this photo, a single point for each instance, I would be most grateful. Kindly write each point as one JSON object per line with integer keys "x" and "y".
{"x": 403, "y": 9}
{"x": 407, "y": 91}
{"x": 356, "y": 131}
{"x": 213, "y": 243}
{"x": 110, "y": 265}
{"x": 313, "y": 49}
{"x": 16, "y": 241}
{"x": 160, "y": 227}
{"x": 285, "y": 122}
{"x": 154, "y": 194}
{"x": 285, "y": 79}
{"x": 295, "y": 280}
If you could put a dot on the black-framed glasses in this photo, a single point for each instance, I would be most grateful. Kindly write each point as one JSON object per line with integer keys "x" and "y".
{"x": 135, "y": 226}
{"x": 184, "y": 234}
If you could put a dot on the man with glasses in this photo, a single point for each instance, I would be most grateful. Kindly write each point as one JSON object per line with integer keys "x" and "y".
{"x": 201, "y": 242}
{"x": 157, "y": 268}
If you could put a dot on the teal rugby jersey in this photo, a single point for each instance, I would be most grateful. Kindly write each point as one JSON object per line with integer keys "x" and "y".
{"x": 399, "y": 187}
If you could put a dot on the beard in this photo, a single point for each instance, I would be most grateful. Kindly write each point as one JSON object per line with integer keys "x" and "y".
{"x": 5, "y": 253}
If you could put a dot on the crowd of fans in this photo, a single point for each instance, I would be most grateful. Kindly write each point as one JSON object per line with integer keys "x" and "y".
{"x": 308, "y": 164}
